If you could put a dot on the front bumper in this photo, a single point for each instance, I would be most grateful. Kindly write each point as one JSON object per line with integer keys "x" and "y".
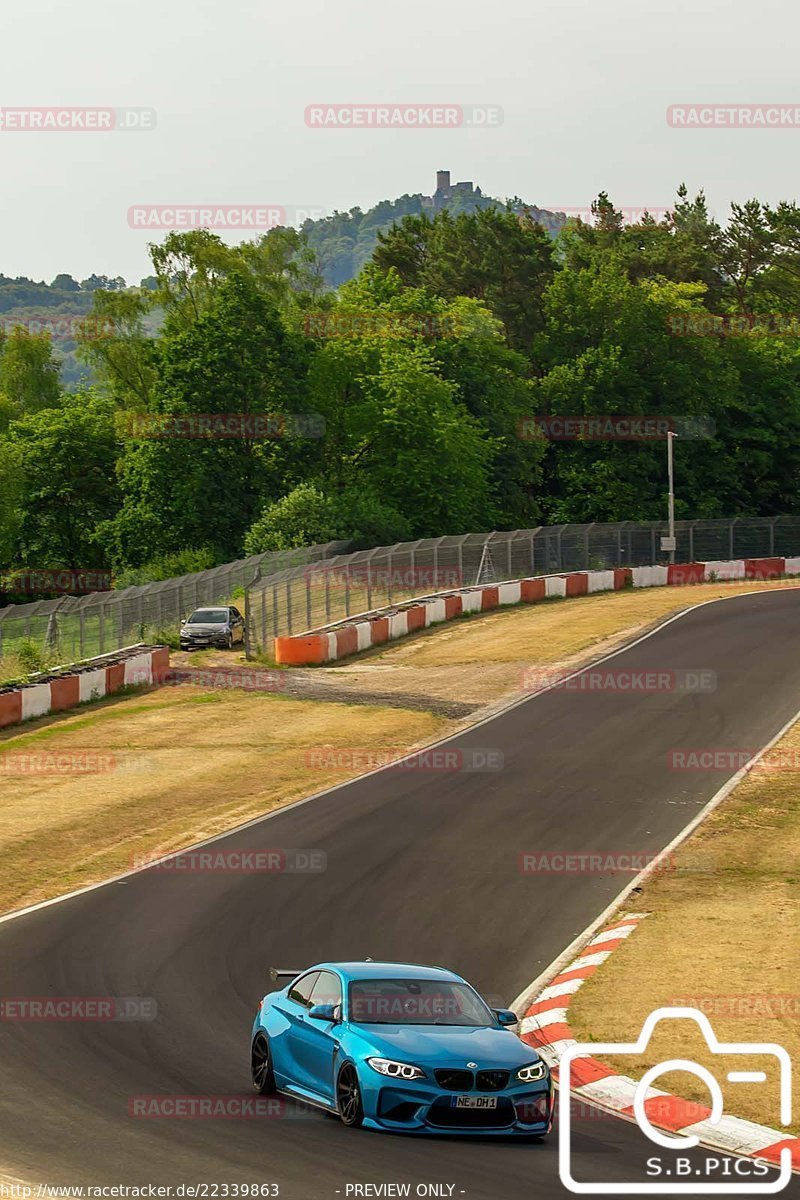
{"x": 418, "y": 1106}
{"x": 204, "y": 641}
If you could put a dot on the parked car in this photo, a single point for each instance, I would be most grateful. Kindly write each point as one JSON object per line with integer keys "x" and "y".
{"x": 218, "y": 626}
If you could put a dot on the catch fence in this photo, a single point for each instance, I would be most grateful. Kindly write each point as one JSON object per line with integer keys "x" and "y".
{"x": 316, "y": 594}
{"x": 77, "y": 627}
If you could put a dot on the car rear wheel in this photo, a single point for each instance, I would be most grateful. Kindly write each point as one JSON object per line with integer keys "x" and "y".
{"x": 348, "y": 1096}
{"x": 261, "y": 1066}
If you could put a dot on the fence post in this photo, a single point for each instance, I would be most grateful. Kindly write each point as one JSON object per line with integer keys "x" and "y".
{"x": 327, "y": 598}
{"x": 691, "y": 541}
{"x": 289, "y": 605}
{"x": 102, "y": 625}
{"x": 772, "y": 536}
{"x": 308, "y": 601}
{"x": 248, "y": 629}
{"x": 389, "y": 579}
{"x": 274, "y": 610}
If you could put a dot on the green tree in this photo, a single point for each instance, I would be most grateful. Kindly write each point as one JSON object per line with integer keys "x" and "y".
{"x": 28, "y": 371}
{"x": 503, "y": 258}
{"x": 184, "y": 492}
{"x": 65, "y": 460}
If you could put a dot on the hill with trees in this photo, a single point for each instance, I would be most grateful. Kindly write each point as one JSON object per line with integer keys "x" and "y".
{"x": 239, "y": 404}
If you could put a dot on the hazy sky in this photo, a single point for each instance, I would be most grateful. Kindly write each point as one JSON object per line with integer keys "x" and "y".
{"x": 584, "y": 89}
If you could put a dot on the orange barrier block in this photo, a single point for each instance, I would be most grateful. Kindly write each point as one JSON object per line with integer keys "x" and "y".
{"x": 115, "y": 677}
{"x": 623, "y": 577}
{"x": 64, "y": 693}
{"x": 302, "y": 651}
{"x": 160, "y": 659}
{"x": 531, "y": 590}
{"x": 415, "y": 617}
{"x": 380, "y": 630}
{"x": 452, "y": 607}
{"x": 764, "y": 568}
{"x": 489, "y": 598}
{"x": 577, "y": 584}
{"x": 10, "y": 708}
{"x": 682, "y": 573}
{"x": 346, "y": 641}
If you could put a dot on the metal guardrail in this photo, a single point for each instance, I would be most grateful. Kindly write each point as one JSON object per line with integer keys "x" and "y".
{"x": 78, "y": 627}
{"x": 313, "y": 595}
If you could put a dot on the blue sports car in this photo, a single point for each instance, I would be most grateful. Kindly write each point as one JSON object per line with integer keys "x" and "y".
{"x": 398, "y": 1047}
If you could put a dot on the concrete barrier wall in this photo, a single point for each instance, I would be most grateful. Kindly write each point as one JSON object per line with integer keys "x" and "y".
{"x": 68, "y": 689}
{"x": 374, "y": 629}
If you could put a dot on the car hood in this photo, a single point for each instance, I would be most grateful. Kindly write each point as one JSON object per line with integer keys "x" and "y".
{"x": 203, "y": 628}
{"x": 448, "y": 1045}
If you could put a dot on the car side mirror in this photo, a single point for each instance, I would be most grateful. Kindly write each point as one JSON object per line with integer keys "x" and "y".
{"x": 505, "y": 1017}
{"x": 325, "y": 1012}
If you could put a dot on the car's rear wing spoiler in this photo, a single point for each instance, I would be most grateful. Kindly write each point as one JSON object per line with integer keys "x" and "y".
{"x": 276, "y": 974}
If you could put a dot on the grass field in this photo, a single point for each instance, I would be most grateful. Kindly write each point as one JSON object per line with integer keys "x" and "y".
{"x": 175, "y": 765}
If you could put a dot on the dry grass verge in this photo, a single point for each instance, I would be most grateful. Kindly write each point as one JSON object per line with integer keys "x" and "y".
{"x": 166, "y": 770}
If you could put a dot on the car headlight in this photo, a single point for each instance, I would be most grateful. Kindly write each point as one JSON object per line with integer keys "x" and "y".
{"x": 397, "y": 1070}
{"x": 532, "y": 1072}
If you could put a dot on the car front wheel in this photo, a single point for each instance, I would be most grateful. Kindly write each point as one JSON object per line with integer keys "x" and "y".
{"x": 348, "y": 1096}
{"x": 261, "y": 1066}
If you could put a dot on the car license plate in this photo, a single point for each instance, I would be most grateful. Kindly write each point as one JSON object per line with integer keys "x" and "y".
{"x": 474, "y": 1102}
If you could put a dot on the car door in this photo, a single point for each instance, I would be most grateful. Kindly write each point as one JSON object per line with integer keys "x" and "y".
{"x": 237, "y": 625}
{"x": 315, "y": 1042}
{"x": 294, "y": 1008}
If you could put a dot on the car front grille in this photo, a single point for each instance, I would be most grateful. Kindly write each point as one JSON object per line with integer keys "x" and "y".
{"x": 454, "y": 1080}
{"x": 492, "y": 1081}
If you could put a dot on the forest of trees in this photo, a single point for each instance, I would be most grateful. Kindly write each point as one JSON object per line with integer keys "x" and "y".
{"x": 400, "y": 404}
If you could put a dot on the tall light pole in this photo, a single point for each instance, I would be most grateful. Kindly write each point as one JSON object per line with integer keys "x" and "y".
{"x": 671, "y": 500}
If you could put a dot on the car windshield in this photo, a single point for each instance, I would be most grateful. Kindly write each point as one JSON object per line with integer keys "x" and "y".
{"x": 416, "y": 1002}
{"x": 209, "y": 616}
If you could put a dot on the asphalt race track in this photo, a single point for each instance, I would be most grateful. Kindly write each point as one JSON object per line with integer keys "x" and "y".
{"x": 421, "y": 866}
